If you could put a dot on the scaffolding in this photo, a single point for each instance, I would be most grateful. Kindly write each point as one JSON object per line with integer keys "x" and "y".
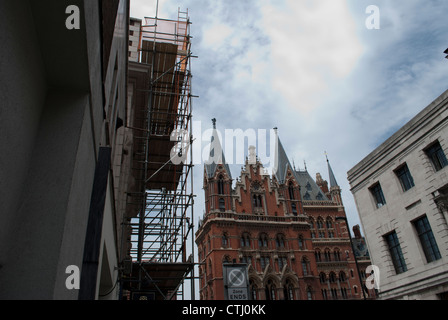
{"x": 162, "y": 164}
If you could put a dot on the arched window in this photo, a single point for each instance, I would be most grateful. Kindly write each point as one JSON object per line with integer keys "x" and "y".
{"x": 263, "y": 240}
{"x": 318, "y": 256}
{"x": 270, "y": 290}
{"x": 222, "y": 204}
{"x": 325, "y": 294}
{"x": 291, "y": 191}
{"x": 342, "y": 276}
{"x": 224, "y": 240}
{"x": 329, "y": 223}
{"x": 305, "y": 266}
{"x": 312, "y": 226}
{"x": 301, "y": 243}
{"x": 253, "y": 290}
{"x": 307, "y": 196}
{"x": 323, "y": 277}
{"x": 337, "y": 255}
{"x": 245, "y": 240}
{"x": 220, "y": 185}
{"x": 309, "y": 293}
{"x": 288, "y": 290}
{"x": 332, "y": 277}
{"x": 327, "y": 255}
{"x": 320, "y": 223}
{"x": 319, "y": 196}
{"x": 280, "y": 241}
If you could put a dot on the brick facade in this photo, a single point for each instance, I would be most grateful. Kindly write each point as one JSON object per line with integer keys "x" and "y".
{"x": 295, "y": 248}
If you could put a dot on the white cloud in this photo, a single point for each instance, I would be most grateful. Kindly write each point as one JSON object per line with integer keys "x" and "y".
{"x": 312, "y": 44}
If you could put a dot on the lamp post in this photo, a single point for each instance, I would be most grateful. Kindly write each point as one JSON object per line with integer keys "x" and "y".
{"x": 353, "y": 250}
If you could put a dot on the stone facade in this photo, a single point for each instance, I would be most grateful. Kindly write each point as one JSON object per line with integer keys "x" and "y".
{"x": 400, "y": 193}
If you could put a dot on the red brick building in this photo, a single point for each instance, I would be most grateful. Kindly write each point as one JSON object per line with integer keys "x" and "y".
{"x": 283, "y": 226}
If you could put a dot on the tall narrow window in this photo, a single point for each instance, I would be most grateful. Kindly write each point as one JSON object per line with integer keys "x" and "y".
{"x": 437, "y": 156}
{"x": 395, "y": 253}
{"x": 294, "y": 209}
{"x": 427, "y": 239}
{"x": 378, "y": 195}
{"x": 405, "y": 177}
{"x": 222, "y": 204}
{"x": 220, "y": 185}
{"x": 224, "y": 241}
{"x": 291, "y": 191}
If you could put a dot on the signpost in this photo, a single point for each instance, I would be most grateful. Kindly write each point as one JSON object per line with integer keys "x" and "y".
{"x": 236, "y": 281}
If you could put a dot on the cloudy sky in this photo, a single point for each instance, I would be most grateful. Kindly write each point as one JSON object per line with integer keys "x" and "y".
{"x": 314, "y": 70}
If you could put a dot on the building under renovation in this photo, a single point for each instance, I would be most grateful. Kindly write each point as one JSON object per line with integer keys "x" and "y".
{"x": 96, "y": 176}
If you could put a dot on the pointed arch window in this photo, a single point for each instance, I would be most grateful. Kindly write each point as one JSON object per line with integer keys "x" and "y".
{"x": 280, "y": 241}
{"x": 256, "y": 200}
{"x": 305, "y": 266}
{"x": 301, "y": 243}
{"x": 263, "y": 240}
{"x": 309, "y": 293}
{"x": 220, "y": 184}
{"x": 253, "y": 290}
{"x": 307, "y": 196}
{"x": 270, "y": 290}
{"x": 224, "y": 240}
{"x": 245, "y": 240}
{"x": 291, "y": 190}
{"x": 319, "y": 196}
{"x": 322, "y": 278}
{"x": 289, "y": 290}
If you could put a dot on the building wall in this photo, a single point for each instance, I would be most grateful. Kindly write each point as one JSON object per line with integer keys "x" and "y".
{"x": 52, "y": 127}
{"x": 240, "y": 217}
{"x": 422, "y": 280}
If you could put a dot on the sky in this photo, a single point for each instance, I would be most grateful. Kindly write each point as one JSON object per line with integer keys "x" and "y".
{"x": 316, "y": 70}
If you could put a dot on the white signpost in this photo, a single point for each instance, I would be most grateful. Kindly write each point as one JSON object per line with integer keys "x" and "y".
{"x": 236, "y": 281}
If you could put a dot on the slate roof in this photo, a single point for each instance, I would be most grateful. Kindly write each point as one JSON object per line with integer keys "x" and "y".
{"x": 309, "y": 189}
{"x": 211, "y": 164}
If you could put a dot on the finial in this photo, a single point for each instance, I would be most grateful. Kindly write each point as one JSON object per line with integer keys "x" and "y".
{"x": 304, "y": 162}
{"x": 294, "y": 165}
{"x": 214, "y": 123}
{"x": 326, "y": 155}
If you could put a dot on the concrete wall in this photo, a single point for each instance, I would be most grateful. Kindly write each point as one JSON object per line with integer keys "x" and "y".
{"x": 52, "y": 123}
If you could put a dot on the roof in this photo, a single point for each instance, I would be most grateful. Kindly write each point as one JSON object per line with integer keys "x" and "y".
{"x": 309, "y": 189}
{"x": 282, "y": 163}
{"x": 216, "y": 156}
{"x": 333, "y": 182}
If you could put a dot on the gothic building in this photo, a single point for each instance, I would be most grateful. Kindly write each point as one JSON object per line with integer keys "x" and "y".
{"x": 284, "y": 226}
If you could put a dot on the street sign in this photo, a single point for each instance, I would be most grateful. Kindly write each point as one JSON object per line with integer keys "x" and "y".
{"x": 236, "y": 281}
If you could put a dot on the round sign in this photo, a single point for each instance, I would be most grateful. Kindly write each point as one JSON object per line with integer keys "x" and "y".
{"x": 236, "y": 278}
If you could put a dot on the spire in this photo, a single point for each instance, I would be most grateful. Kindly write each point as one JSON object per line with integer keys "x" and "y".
{"x": 216, "y": 155}
{"x": 281, "y": 162}
{"x": 333, "y": 182}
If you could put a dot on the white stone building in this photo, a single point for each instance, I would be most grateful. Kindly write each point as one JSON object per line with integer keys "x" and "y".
{"x": 401, "y": 192}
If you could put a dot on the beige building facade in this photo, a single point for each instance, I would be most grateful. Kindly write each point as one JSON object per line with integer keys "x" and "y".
{"x": 401, "y": 193}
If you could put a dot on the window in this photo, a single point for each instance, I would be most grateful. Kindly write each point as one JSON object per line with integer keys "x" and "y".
{"x": 291, "y": 191}
{"x": 220, "y": 185}
{"x": 270, "y": 291}
{"x": 289, "y": 290}
{"x": 378, "y": 195}
{"x": 307, "y": 196}
{"x": 264, "y": 261}
{"x": 301, "y": 244}
{"x": 309, "y": 293}
{"x": 222, "y": 204}
{"x": 280, "y": 241}
{"x": 437, "y": 156}
{"x": 263, "y": 241}
{"x": 320, "y": 223}
{"x": 256, "y": 200}
{"x": 405, "y": 177}
{"x": 282, "y": 261}
{"x": 224, "y": 241}
{"x": 245, "y": 240}
{"x": 329, "y": 223}
{"x": 395, "y": 253}
{"x": 319, "y": 196}
{"x": 305, "y": 266}
{"x": 323, "y": 278}
{"x": 294, "y": 209}
{"x": 427, "y": 239}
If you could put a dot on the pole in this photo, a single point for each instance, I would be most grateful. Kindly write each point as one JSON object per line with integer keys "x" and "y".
{"x": 353, "y": 250}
